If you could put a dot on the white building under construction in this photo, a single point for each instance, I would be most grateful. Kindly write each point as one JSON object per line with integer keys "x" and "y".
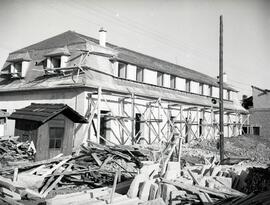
{"x": 127, "y": 97}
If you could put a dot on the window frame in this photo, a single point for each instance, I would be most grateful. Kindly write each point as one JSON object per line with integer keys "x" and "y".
{"x": 187, "y": 85}
{"x": 140, "y": 74}
{"x": 53, "y": 139}
{"x": 172, "y": 81}
{"x": 210, "y": 90}
{"x": 122, "y": 67}
{"x": 160, "y": 75}
{"x": 201, "y": 88}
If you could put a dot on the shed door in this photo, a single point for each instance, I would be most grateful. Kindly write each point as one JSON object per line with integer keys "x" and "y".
{"x": 56, "y": 141}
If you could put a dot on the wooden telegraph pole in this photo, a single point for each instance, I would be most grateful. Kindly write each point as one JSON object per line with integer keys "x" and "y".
{"x": 221, "y": 110}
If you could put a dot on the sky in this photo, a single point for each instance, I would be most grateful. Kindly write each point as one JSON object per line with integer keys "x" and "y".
{"x": 184, "y": 32}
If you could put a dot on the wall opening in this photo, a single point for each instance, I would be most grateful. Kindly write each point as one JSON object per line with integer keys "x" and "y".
{"x": 138, "y": 128}
{"x": 104, "y": 126}
{"x": 256, "y": 131}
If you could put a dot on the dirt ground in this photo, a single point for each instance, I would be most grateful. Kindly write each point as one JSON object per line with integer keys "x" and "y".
{"x": 254, "y": 147}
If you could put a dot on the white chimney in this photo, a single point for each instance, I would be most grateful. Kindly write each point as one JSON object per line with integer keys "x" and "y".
{"x": 102, "y": 36}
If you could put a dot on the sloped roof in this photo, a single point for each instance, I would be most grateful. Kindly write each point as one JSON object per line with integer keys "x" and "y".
{"x": 59, "y": 51}
{"x": 19, "y": 57}
{"x": 165, "y": 67}
{"x": 44, "y": 112}
{"x": 126, "y": 55}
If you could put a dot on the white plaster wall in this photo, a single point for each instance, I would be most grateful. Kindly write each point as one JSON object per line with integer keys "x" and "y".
{"x": 25, "y": 66}
{"x": 166, "y": 80}
{"x": 23, "y": 99}
{"x": 64, "y": 60}
{"x": 225, "y": 94}
{"x": 180, "y": 84}
{"x": 215, "y": 92}
{"x": 49, "y": 62}
{"x": 150, "y": 76}
{"x": 115, "y": 68}
{"x": 131, "y": 72}
{"x": 194, "y": 87}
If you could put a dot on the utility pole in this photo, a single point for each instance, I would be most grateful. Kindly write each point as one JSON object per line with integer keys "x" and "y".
{"x": 221, "y": 110}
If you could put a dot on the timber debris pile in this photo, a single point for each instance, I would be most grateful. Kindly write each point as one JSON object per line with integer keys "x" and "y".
{"x": 13, "y": 152}
{"x": 121, "y": 175}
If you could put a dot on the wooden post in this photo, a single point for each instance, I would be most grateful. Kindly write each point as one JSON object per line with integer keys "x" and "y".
{"x": 159, "y": 117}
{"x": 122, "y": 115}
{"x": 198, "y": 123}
{"x": 98, "y": 114}
{"x": 221, "y": 110}
{"x": 181, "y": 122}
{"x": 133, "y": 118}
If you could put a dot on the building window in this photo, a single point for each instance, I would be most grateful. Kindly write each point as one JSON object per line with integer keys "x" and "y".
{"x": 172, "y": 81}
{"x": 122, "y": 70}
{"x": 187, "y": 85}
{"x": 160, "y": 79}
{"x": 56, "y": 137}
{"x": 201, "y": 88}
{"x": 56, "y": 62}
{"x": 228, "y": 95}
{"x": 210, "y": 90}
{"x": 18, "y": 67}
{"x": 139, "y": 74}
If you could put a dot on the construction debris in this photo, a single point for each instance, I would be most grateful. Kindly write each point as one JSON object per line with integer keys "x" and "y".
{"x": 122, "y": 175}
{"x": 13, "y": 152}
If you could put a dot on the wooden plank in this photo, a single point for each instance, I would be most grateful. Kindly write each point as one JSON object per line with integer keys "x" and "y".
{"x": 38, "y": 163}
{"x": 195, "y": 189}
{"x": 15, "y": 174}
{"x": 96, "y": 158}
{"x": 167, "y": 159}
{"x": 9, "y": 200}
{"x": 7, "y": 183}
{"x": 51, "y": 187}
{"x": 56, "y": 167}
{"x": 114, "y": 185}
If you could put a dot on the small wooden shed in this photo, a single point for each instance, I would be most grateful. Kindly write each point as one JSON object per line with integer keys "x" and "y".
{"x": 49, "y": 126}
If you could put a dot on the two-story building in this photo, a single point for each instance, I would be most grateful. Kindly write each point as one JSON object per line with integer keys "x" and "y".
{"x": 127, "y": 97}
{"x": 260, "y": 112}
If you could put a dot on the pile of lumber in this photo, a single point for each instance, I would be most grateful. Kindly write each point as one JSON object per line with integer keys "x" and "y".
{"x": 122, "y": 175}
{"x": 95, "y": 166}
{"x": 13, "y": 152}
{"x": 251, "y": 199}
{"x": 181, "y": 185}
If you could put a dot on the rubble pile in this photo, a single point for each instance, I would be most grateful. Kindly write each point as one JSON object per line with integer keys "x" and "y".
{"x": 13, "y": 152}
{"x": 93, "y": 167}
{"x": 122, "y": 175}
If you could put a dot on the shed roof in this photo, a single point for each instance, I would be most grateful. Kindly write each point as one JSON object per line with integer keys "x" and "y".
{"x": 44, "y": 112}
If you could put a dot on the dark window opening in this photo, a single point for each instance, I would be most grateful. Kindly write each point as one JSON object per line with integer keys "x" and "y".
{"x": 56, "y": 62}
{"x": 18, "y": 67}
{"x": 138, "y": 126}
{"x": 200, "y": 127}
{"x": 104, "y": 126}
{"x": 256, "y": 131}
{"x": 56, "y": 137}
{"x": 122, "y": 70}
